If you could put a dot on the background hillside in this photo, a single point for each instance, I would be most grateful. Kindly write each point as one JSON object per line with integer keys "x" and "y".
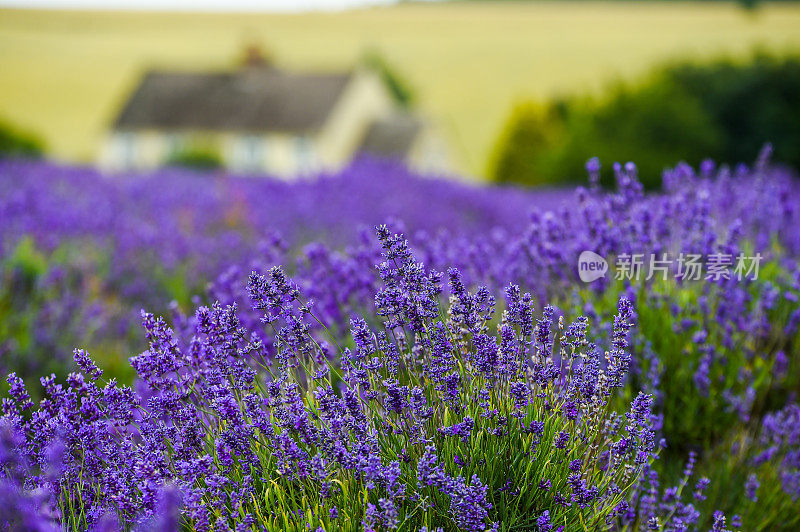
{"x": 64, "y": 74}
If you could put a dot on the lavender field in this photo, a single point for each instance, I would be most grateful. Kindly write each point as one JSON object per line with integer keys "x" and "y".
{"x": 379, "y": 350}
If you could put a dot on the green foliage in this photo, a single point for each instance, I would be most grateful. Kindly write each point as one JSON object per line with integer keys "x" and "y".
{"x": 14, "y": 143}
{"x": 668, "y": 348}
{"x": 398, "y": 87}
{"x": 688, "y": 112}
{"x": 656, "y": 125}
{"x": 41, "y": 318}
{"x": 729, "y": 467}
{"x": 526, "y": 137}
{"x": 749, "y": 4}
{"x": 196, "y": 158}
{"x": 750, "y": 104}
{"x": 22, "y": 304}
{"x": 697, "y": 416}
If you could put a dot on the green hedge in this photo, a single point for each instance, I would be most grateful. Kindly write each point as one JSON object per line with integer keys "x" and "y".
{"x": 722, "y": 110}
{"x": 196, "y": 158}
{"x": 15, "y": 143}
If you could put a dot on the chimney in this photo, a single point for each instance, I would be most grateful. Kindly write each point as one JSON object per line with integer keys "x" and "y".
{"x": 255, "y": 58}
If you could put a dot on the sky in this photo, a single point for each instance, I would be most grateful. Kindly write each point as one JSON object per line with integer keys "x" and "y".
{"x": 196, "y": 5}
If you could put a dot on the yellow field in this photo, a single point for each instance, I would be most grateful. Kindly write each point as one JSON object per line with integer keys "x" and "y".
{"x": 63, "y": 74}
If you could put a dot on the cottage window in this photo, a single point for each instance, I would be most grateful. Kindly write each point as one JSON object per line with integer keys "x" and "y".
{"x": 252, "y": 153}
{"x": 304, "y": 154}
{"x": 126, "y": 148}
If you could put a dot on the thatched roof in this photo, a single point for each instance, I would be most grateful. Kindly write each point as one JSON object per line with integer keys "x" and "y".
{"x": 251, "y": 99}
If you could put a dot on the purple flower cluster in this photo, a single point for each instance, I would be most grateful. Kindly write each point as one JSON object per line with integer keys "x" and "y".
{"x": 714, "y": 324}
{"x": 348, "y": 382}
{"x": 780, "y": 441}
{"x": 230, "y": 437}
{"x": 105, "y": 247}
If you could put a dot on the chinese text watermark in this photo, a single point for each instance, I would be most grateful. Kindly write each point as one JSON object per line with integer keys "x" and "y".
{"x": 683, "y": 267}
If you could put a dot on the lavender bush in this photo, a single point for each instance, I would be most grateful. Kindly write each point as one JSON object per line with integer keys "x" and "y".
{"x": 141, "y": 241}
{"x": 729, "y": 346}
{"x": 369, "y": 392}
{"x": 432, "y": 421}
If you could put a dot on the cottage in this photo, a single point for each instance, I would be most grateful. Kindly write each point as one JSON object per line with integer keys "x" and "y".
{"x": 262, "y": 119}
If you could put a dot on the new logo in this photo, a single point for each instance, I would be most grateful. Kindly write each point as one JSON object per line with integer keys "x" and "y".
{"x": 591, "y": 266}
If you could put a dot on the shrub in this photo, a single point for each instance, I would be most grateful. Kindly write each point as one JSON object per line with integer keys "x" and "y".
{"x": 722, "y": 110}
{"x": 656, "y": 124}
{"x": 528, "y": 135}
{"x": 749, "y": 103}
{"x": 195, "y": 158}
{"x": 14, "y": 143}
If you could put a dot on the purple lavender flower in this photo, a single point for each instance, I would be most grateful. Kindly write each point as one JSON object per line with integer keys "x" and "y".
{"x": 751, "y": 487}
{"x": 543, "y": 522}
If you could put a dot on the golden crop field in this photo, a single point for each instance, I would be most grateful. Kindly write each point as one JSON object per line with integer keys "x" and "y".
{"x": 64, "y": 74}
